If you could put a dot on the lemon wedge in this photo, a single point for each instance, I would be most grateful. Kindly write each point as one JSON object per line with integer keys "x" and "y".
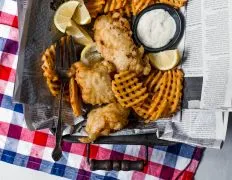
{"x": 81, "y": 15}
{"x": 64, "y": 14}
{"x": 165, "y": 60}
{"x": 90, "y": 54}
{"x": 79, "y": 33}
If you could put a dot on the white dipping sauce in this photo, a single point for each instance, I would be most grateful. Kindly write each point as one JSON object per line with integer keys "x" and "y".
{"x": 156, "y": 28}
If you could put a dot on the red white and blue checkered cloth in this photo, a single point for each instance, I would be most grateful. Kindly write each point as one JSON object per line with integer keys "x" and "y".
{"x": 22, "y": 147}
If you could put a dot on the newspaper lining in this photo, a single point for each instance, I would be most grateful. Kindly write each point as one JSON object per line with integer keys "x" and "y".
{"x": 203, "y": 120}
{"x": 209, "y": 63}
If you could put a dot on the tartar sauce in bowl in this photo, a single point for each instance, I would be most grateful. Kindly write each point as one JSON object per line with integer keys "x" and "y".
{"x": 156, "y": 28}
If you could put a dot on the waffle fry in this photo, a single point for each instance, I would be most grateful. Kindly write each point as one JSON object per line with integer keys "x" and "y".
{"x": 54, "y": 86}
{"x": 107, "y": 6}
{"x": 112, "y": 5}
{"x": 52, "y": 79}
{"x": 128, "y": 90}
{"x": 165, "y": 92}
{"x": 126, "y": 7}
{"x": 153, "y": 79}
{"x": 158, "y": 101}
{"x": 175, "y": 96}
{"x": 174, "y": 3}
{"x": 48, "y": 63}
{"x": 74, "y": 97}
{"x": 125, "y": 11}
{"x": 139, "y": 5}
{"x": 143, "y": 108}
{"x": 95, "y": 7}
{"x": 70, "y": 94}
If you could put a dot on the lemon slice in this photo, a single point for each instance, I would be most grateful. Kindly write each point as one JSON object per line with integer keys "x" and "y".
{"x": 79, "y": 34}
{"x": 81, "y": 15}
{"x": 90, "y": 54}
{"x": 64, "y": 14}
{"x": 165, "y": 60}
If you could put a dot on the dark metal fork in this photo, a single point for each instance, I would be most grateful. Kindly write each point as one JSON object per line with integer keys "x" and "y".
{"x": 65, "y": 57}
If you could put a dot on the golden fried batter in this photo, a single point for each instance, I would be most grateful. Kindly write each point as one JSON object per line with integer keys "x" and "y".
{"x": 128, "y": 90}
{"x": 95, "y": 83}
{"x": 104, "y": 120}
{"x": 165, "y": 93}
{"x": 113, "y": 38}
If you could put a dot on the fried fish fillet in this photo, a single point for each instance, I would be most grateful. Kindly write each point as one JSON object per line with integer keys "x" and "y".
{"x": 104, "y": 120}
{"x": 95, "y": 83}
{"x": 112, "y": 34}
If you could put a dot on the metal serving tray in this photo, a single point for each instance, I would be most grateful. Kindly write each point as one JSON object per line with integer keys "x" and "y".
{"x": 144, "y": 139}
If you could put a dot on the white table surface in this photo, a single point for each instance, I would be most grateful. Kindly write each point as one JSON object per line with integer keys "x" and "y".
{"x": 215, "y": 165}
{"x": 12, "y": 172}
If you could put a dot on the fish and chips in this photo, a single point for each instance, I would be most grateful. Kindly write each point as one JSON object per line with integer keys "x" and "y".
{"x": 123, "y": 79}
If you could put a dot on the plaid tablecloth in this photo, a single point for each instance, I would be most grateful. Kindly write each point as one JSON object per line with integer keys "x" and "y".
{"x": 22, "y": 147}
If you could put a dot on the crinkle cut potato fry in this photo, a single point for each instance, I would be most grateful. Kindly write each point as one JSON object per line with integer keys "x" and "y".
{"x": 139, "y": 5}
{"x": 126, "y": 7}
{"x": 168, "y": 88}
{"x": 48, "y": 67}
{"x": 165, "y": 93}
{"x": 173, "y": 3}
{"x": 48, "y": 58}
{"x": 53, "y": 82}
{"x": 176, "y": 93}
{"x": 157, "y": 105}
{"x": 95, "y": 7}
{"x": 112, "y": 5}
{"x": 75, "y": 99}
{"x": 143, "y": 108}
{"x": 128, "y": 90}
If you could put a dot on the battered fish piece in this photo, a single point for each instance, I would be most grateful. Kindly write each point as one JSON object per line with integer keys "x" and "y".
{"x": 113, "y": 38}
{"x": 95, "y": 83}
{"x": 104, "y": 120}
